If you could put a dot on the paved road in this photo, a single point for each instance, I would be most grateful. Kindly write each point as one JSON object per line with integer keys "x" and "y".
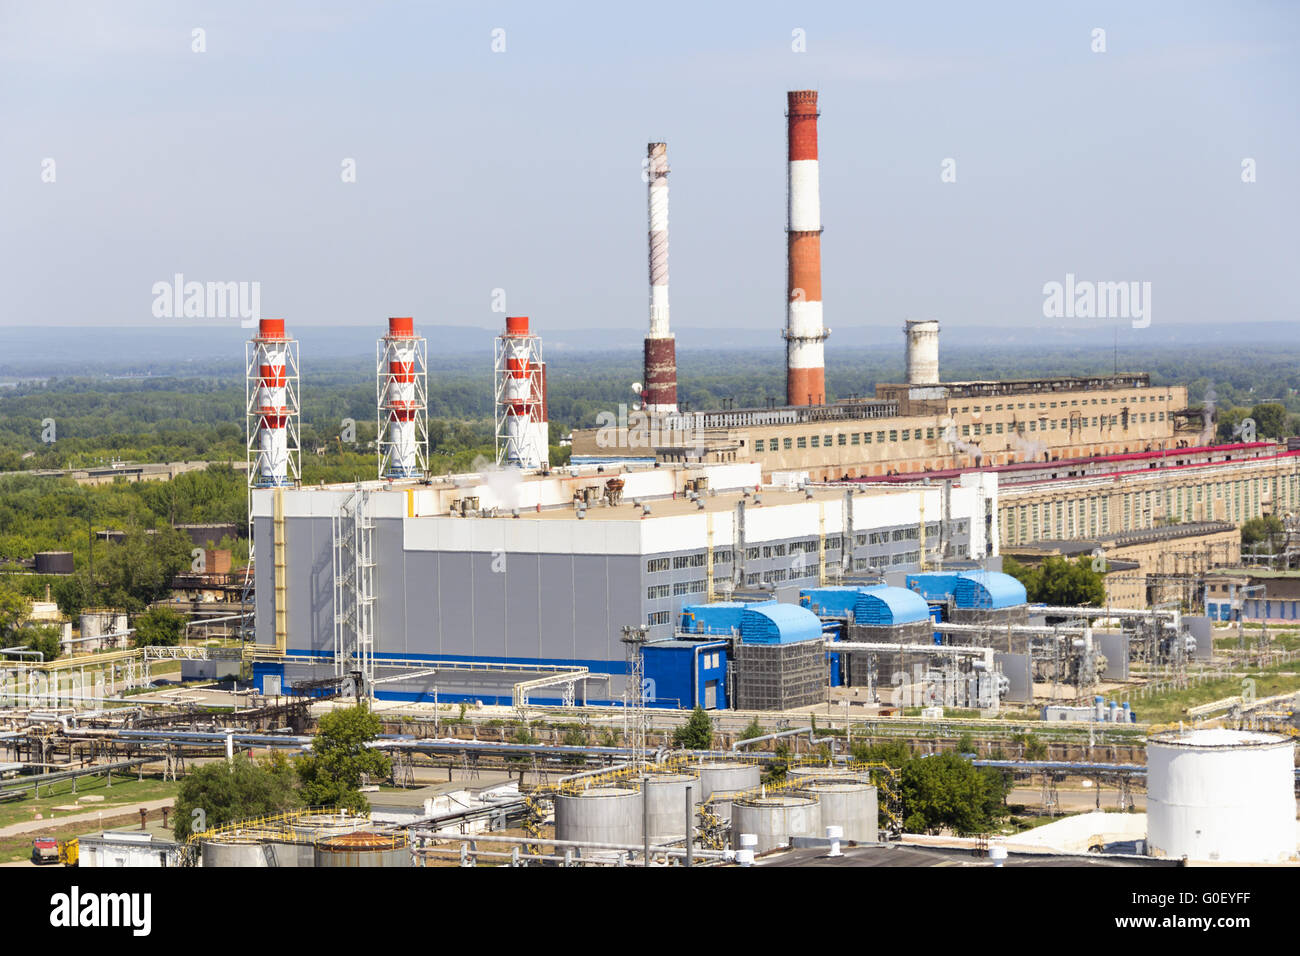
{"x": 93, "y": 816}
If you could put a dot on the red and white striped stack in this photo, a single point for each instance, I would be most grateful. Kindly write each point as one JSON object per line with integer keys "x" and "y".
{"x": 522, "y": 391}
{"x": 804, "y": 333}
{"x": 272, "y": 407}
{"x": 399, "y": 408}
{"x": 660, "y": 390}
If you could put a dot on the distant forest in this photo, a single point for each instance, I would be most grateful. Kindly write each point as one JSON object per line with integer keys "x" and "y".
{"x": 199, "y": 414}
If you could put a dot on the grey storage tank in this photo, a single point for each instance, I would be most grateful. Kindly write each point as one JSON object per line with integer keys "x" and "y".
{"x": 848, "y": 804}
{"x": 234, "y": 851}
{"x": 726, "y": 776}
{"x": 775, "y": 819}
{"x": 365, "y": 848}
{"x": 312, "y": 828}
{"x": 600, "y": 815}
{"x": 829, "y": 773}
{"x": 665, "y": 804}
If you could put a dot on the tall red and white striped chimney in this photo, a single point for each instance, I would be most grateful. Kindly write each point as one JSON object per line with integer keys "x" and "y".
{"x": 660, "y": 390}
{"x": 805, "y": 374}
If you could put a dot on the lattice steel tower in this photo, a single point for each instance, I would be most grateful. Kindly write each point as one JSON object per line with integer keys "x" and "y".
{"x": 401, "y": 392}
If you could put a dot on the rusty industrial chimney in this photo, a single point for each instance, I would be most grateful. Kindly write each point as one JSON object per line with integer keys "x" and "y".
{"x": 805, "y": 375}
{"x": 660, "y": 390}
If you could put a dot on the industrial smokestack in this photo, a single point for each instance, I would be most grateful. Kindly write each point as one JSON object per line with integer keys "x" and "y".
{"x": 271, "y": 402}
{"x": 521, "y": 397}
{"x": 401, "y": 379}
{"x": 922, "y": 352}
{"x": 660, "y": 379}
{"x": 805, "y": 377}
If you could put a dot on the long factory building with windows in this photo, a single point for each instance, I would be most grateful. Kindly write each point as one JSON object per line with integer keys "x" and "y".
{"x": 463, "y": 588}
{"x": 919, "y": 426}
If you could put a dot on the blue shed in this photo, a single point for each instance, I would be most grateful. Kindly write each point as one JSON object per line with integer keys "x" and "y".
{"x": 720, "y": 617}
{"x": 933, "y": 585}
{"x": 830, "y": 601}
{"x": 773, "y": 623}
{"x": 683, "y": 674}
{"x": 988, "y": 589}
{"x": 969, "y": 589}
{"x": 885, "y": 606}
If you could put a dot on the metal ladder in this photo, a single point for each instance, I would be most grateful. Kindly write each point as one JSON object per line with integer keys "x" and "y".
{"x": 354, "y": 591}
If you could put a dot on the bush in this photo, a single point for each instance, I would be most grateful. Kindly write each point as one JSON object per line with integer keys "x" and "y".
{"x": 696, "y": 733}
{"x": 892, "y": 753}
{"x": 43, "y": 638}
{"x": 575, "y": 737}
{"x": 159, "y": 627}
{"x": 331, "y": 774}
{"x": 945, "y": 791}
{"x": 220, "y": 793}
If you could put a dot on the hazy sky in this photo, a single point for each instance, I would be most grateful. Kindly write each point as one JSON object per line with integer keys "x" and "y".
{"x": 521, "y": 170}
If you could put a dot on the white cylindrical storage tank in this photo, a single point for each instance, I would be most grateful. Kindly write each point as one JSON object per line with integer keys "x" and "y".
{"x": 726, "y": 775}
{"x": 92, "y": 623}
{"x": 600, "y": 815}
{"x": 829, "y": 773}
{"x": 774, "y": 820}
{"x": 232, "y": 851}
{"x": 849, "y": 805}
{"x": 922, "y": 352}
{"x": 1225, "y": 796}
{"x": 665, "y": 811}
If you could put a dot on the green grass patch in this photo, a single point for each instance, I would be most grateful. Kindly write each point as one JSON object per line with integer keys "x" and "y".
{"x": 1278, "y": 640}
{"x": 124, "y": 790}
{"x": 1172, "y": 705}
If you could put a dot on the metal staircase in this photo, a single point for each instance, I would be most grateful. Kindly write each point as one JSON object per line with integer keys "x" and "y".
{"x": 354, "y": 592}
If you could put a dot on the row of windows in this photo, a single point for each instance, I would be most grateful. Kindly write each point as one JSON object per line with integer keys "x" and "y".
{"x": 1074, "y": 403}
{"x": 777, "y": 576}
{"x": 833, "y": 543}
{"x": 915, "y": 434}
{"x": 689, "y": 587}
{"x": 1243, "y": 499}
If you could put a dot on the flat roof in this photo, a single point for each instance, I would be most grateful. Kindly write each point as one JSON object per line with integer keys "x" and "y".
{"x": 156, "y": 832}
{"x": 723, "y": 501}
{"x": 416, "y": 797}
{"x": 1124, "y": 538}
{"x": 1242, "y": 572}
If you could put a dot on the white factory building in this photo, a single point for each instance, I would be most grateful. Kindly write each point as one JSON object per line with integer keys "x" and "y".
{"x": 532, "y": 570}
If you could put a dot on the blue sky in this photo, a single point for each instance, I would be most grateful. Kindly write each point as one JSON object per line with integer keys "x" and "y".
{"x": 521, "y": 170}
